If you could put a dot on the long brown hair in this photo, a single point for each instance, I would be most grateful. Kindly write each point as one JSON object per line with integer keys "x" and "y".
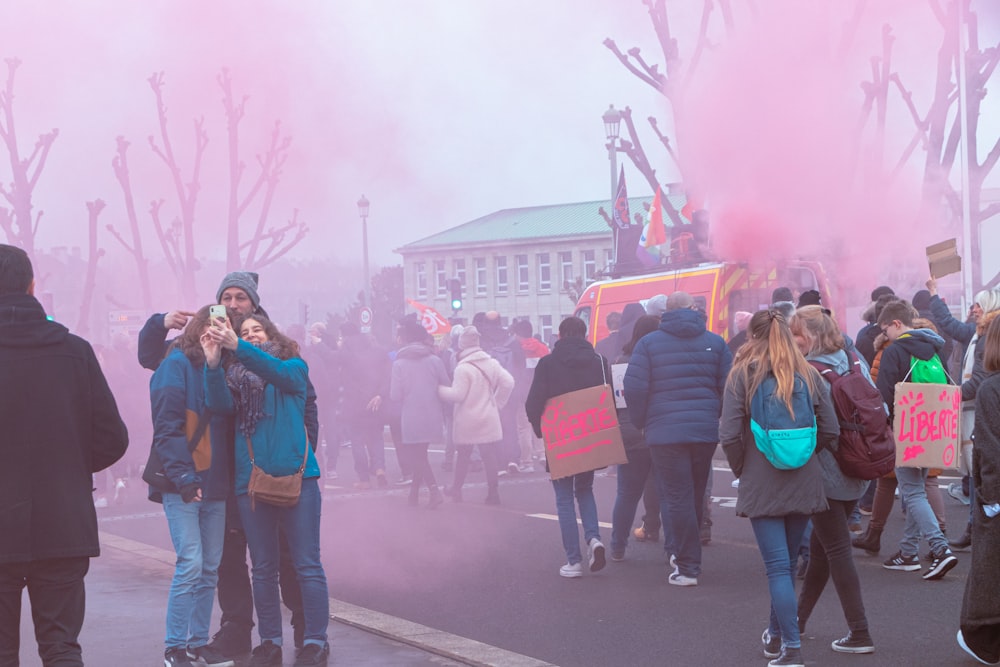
{"x": 287, "y": 348}
{"x": 771, "y": 350}
{"x": 189, "y": 342}
{"x": 991, "y": 354}
{"x": 817, "y": 326}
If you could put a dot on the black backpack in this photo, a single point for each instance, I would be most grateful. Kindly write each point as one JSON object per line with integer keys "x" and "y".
{"x": 867, "y": 449}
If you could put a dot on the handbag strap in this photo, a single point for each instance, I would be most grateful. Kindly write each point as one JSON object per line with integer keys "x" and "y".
{"x": 305, "y": 454}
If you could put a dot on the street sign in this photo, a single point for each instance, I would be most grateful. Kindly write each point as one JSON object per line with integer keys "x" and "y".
{"x": 365, "y": 317}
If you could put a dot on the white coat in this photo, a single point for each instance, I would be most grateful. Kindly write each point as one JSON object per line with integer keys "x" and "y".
{"x": 480, "y": 389}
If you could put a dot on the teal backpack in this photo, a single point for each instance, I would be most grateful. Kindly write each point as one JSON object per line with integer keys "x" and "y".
{"x": 786, "y": 442}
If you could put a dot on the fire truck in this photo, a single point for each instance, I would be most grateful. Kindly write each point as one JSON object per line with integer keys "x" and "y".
{"x": 720, "y": 289}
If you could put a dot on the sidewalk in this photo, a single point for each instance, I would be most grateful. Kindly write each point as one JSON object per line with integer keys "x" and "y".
{"x": 126, "y": 602}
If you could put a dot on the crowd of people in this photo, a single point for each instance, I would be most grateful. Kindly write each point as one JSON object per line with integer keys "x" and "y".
{"x": 241, "y": 446}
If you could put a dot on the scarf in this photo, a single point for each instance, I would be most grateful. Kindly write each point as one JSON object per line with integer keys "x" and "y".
{"x": 248, "y": 391}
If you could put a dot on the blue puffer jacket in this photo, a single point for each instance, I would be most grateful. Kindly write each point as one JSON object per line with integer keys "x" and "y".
{"x": 177, "y": 398}
{"x": 675, "y": 381}
{"x": 279, "y": 438}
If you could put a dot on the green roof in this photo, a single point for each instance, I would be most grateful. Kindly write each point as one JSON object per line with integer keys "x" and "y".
{"x": 533, "y": 222}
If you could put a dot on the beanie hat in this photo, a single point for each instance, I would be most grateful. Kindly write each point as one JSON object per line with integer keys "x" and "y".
{"x": 880, "y": 290}
{"x": 809, "y": 298}
{"x": 741, "y": 319}
{"x": 922, "y": 300}
{"x": 244, "y": 280}
{"x": 781, "y": 294}
{"x": 468, "y": 338}
{"x": 655, "y": 305}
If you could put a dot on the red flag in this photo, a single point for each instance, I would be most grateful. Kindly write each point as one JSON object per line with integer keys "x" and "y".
{"x": 693, "y": 204}
{"x": 657, "y": 233}
{"x": 435, "y": 323}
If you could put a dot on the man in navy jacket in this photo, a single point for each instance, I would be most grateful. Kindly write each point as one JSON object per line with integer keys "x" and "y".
{"x": 60, "y": 426}
{"x": 673, "y": 387}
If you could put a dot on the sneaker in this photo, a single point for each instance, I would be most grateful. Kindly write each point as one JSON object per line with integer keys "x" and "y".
{"x": 955, "y": 491}
{"x": 332, "y": 474}
{"x": 642, "y": 535}
{"x": 901, "y": 562}
{"x": 678, "y": 579}
{"x": 177, "y": 657}
{"x": 968, "y": 649}
{"x": 571, "y": 570}
{"x": 381, "y": 479}
{"x": 943, "y": 562}
{"x": 404, "y": 480}
{"x": 789, "y": 657}
{"x": 595, "y": 552}
{"x": 206, "y": 656}
{"x": 268, "y": 654}
{"x": 231, "y": 641}
{"x": 854, "y": 528}
{"x": 772, "y": 644}
{"x": 526, "y": 467}
{"x": 854, "y": 643}
{"x": 865, "y": 511}
{"x": 512, "y": 468}
{"x": 312, "y": 655}
{"x": 101, "y": 502}
{"x": 617, "y": 555}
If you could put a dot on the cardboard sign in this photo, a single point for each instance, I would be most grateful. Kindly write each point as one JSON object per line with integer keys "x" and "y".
{"x": 618, "y": 383}
{"x": 943, "y": 258}
{"x": 926, "y": 425}
{"x": 580, "y": 430}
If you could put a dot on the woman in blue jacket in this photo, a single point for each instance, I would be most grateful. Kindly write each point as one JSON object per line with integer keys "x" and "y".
{"x": 189, "y": 442}
{"x": 264, "y": 383}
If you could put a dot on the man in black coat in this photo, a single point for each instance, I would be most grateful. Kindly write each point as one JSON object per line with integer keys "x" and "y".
{"x": 60, "y": 426}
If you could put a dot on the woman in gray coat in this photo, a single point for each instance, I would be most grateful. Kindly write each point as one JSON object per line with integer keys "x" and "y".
{"x": 777, "y": 502}
{"x": 416, "y": 374}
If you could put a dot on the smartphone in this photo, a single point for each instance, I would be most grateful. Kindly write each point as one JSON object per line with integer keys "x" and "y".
{"x": 217, "y": 312}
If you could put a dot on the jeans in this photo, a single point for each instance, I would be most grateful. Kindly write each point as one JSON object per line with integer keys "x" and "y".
{"x": 920, "y": 519}
{"x": 235, "y": 592}
{"x": 55, "y": 588}
{"x": 301, "y": 523}
{"x": 778, "y": 539}
{"x": 488, "y": 452}
{"x": 367, "y": 445}
{"x": 832, "y": 557}
{"x": 632, "y": 478}
{"x": 197, "y": 530}
{"x": 581, "y": 486}
{"x": 681, "y": 475}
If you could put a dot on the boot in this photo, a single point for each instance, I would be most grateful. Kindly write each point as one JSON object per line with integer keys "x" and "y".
{"x": 870, "y": 541}
{"x": 414, "y": 496}
{"x": 964, "y": 542}
{"x": 436, "y": 497}
{"x": 493, "y": 496}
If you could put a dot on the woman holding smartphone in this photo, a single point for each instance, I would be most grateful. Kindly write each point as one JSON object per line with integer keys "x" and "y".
{"x": 263, "y": 381}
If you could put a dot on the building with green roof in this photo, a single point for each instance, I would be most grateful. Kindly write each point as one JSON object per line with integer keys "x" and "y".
{"x": 525, "y": 263}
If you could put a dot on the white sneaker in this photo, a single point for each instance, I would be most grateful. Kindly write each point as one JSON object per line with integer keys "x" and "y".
{"x": 595, "y": 551}
{"x": 512, "y": 468}
{"x": 571, "y": 571}
{"x": 101, "y": 502}
{"x": 678, "y": 579}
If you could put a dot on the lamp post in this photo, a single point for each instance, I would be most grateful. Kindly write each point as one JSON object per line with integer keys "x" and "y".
{"x": 612, "y": 123}
{"x": 363, "y": 204}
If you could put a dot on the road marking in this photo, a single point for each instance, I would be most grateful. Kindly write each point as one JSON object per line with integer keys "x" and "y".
{"x": 553, "y": 517}
{"x": 447, "y": 645}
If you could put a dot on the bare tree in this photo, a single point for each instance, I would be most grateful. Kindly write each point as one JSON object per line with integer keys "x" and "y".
{"x": 266, "y": 244}
{"x": 16, "y": 218}
{"x": 94, "y": 253}
{"x": 120, "y": 166}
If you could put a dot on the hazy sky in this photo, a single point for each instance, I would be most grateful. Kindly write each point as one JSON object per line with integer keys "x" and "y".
{"x": 439, "y": 111}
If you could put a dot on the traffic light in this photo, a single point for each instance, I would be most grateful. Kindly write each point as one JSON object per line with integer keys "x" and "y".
{"x": 456, "y": 294}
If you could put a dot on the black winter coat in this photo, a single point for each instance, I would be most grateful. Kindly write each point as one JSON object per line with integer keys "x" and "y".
{"x": 895, "y": 364}
{"x": 60, "y": 425}
{"x": 572, "y": 365}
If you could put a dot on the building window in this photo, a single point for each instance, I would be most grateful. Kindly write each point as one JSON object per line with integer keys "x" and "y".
{"x": 589, "y": 265}
{"x": 544, "y": 272}
{"x": 458, "y": 265}
{"x": 546, "y": 329}
{"x": 566, "y": 268}
{"x": 523, "y": 284}
{"x": 608, "y": 260}
{"x": 501, "y": 263}
{"x": 421, "y": 279}
{"x": 441, "y": 278}
{"x": 480, "y": 263}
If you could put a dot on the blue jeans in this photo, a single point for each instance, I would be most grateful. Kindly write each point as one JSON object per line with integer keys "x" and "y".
{"x": 582, "y": 486}
{"x": 198, "y": 531}
{"x": 778, "y": 539}
{"x": 301, "y": 526}
{"x": 920, "y": 519}
{"x": 631, "y": 482}
{"x": 681, "y": 476}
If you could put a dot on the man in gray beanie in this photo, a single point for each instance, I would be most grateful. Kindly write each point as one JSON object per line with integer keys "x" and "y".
{"x": 237, "y": 287}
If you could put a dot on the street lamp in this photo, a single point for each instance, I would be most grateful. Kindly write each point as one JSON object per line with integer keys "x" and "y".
{"x": 363, "y": 204}
{"x": 612, "y": 124}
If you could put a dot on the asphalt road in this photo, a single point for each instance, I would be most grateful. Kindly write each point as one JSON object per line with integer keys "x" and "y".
{"x": 491, "y": 574}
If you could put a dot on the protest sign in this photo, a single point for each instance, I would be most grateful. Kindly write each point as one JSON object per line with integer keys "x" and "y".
{"x": 926, "y": 425}
{"x": 618, "y": 383}
{"x": 943, "y": 259}
{"x": 580, "y": 430}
